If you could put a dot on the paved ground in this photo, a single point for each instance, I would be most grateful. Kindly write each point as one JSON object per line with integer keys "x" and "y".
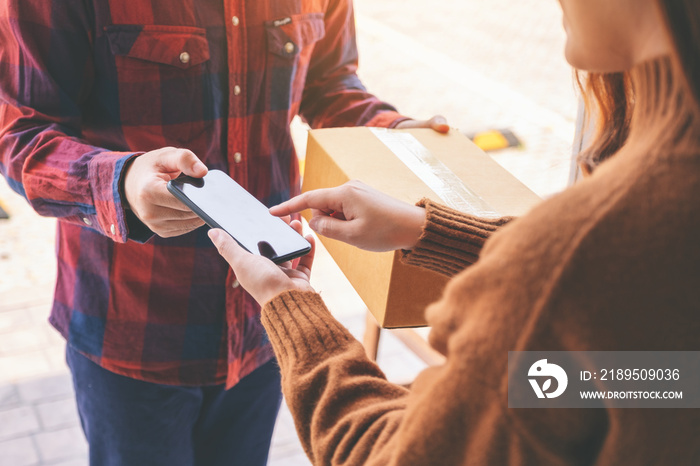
{"x": 495, "y": 64}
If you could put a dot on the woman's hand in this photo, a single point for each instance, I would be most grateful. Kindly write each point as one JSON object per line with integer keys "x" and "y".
{"x": 359, "y": 215}
{"x": 258, "y": 275}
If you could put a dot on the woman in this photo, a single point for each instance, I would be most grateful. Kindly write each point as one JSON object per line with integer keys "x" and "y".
{"x": 611, "y": 264}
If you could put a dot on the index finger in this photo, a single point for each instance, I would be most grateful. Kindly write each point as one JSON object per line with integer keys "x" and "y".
{"x": 320, "y": 199}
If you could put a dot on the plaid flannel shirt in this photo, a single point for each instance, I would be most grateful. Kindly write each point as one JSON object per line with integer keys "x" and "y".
{"x": 85, "y": 85}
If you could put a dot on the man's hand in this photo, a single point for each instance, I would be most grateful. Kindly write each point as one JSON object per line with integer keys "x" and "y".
{"x": 145, "y": 188}
{"x": 259, "y": 276}
{"x": 437, "y": 123}
{"x": 359, "y": 215}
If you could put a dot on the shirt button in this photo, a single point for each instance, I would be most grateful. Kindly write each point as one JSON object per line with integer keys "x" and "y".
{"x": 289, "y": 47}
{"x": 236, "y": 90}
{"x": 235, "y": 21}
{"x": 235, "y": 284}
{"x": 113, "y": 229}
{"x": 185, "y": 57}
{"x": 87, "y": 221}
{"x": 237, "y": 157}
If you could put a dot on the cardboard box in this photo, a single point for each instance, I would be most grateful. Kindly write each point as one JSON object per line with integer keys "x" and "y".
{"x": 408, "y": 165}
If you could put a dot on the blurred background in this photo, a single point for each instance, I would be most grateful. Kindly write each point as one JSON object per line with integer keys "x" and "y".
{"x": 485, "y": 66}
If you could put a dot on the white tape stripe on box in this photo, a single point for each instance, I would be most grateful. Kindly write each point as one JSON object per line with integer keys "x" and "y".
{"x": 435, "y": 174}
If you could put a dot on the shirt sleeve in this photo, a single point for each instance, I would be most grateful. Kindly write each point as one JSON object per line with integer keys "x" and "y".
{"x": 334, "y": 96}
{"x": 45, "y": 80}
{"x": 451, "y": 240}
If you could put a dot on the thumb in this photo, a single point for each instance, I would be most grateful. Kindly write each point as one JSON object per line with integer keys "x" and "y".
{"x": 329, "y": 227}
{"x": 182, "y": 160}
{"x": 439, "y": 124}
{"x": 227, "y": 246}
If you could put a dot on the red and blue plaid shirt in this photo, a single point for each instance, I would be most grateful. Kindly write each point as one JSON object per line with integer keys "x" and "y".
{"x": 85, "y": 85}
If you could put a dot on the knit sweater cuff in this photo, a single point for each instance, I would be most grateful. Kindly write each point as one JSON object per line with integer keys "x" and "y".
{"x": 451, "y": 240}
{"x": 300, "y": 326}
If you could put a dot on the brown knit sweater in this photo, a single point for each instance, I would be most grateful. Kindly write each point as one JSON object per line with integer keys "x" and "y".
{"x": 612, "y": 263}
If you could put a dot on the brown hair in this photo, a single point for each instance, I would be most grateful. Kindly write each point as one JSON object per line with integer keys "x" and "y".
{"x": 659, "y": 98}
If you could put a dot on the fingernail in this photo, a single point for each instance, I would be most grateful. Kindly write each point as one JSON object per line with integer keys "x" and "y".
{"x": 199, "y": 166}
{"x": 214, "y": 235}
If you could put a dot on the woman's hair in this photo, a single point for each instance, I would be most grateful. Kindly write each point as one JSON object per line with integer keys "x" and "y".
{"x": 659, "y": 97}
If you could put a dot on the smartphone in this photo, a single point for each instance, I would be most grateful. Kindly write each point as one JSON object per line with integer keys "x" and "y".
{"x": 222, "y": 203}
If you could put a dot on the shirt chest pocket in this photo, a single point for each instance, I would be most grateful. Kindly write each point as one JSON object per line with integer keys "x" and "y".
{"x": 288, "y": 37}
{"x": 290, "y": 43}
{"x": 162, "y": 76}
{"x": 178, "y": 46}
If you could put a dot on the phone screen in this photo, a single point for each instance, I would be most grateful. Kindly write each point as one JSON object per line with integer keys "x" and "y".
{"x": 223, "y": 203}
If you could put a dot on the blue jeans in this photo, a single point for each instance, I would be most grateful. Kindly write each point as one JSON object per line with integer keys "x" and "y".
{"x": 130, "y": 422}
